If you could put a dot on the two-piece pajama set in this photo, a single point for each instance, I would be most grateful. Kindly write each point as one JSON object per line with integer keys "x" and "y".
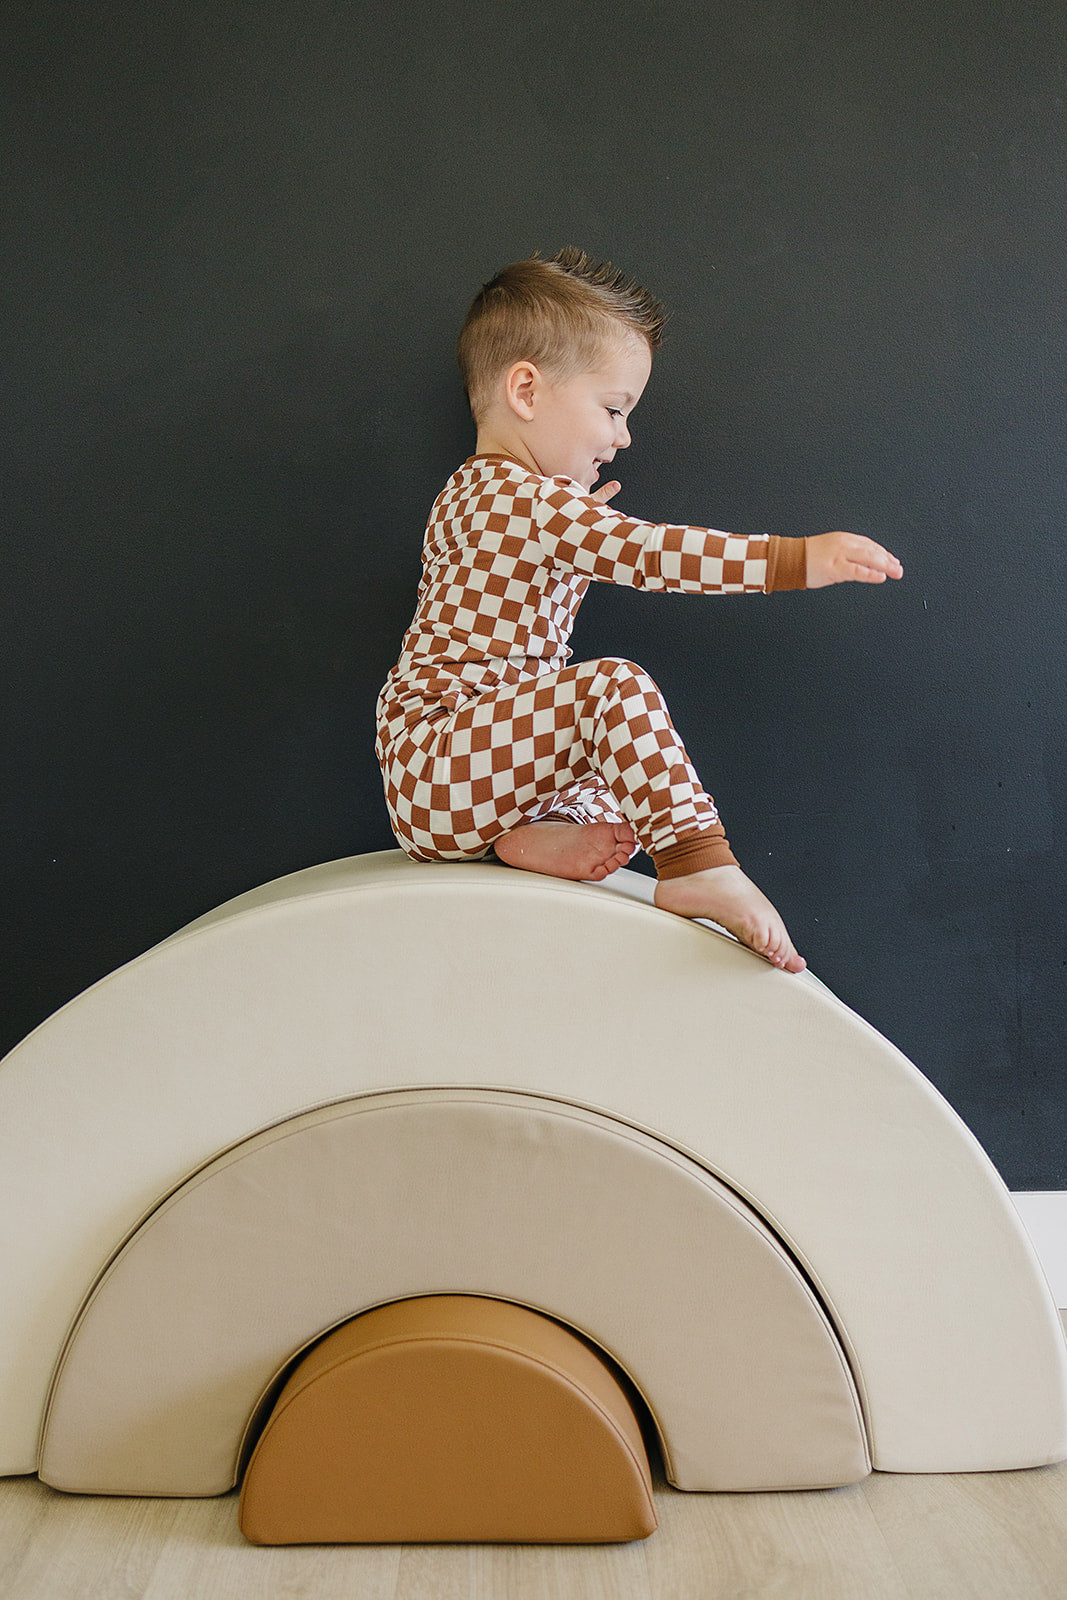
{"x": 483, "y": 725}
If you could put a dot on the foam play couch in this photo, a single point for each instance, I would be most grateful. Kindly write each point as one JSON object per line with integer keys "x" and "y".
{"x": 423, "y": 1200}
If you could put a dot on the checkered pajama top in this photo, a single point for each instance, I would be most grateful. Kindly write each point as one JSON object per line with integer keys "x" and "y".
{"x": 507, "y": 560}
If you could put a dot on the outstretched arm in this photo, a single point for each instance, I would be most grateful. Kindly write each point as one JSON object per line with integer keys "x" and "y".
{"x": 831, "y": 557}
{"x": 581, "y": 531}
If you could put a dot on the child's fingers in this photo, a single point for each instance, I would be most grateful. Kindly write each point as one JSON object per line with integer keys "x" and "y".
{"x": 869, "y": 571}
{"x": 606, "y": 492}
{"x": 851, "y": 573}
{"x": 863, "y": 552}
{"x": 849, "y": 558}
{"x": 881, "y": 561}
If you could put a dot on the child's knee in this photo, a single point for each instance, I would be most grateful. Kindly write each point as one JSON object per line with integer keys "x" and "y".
{"x": 626, "y": 681}
{"x": 618, "y": 666}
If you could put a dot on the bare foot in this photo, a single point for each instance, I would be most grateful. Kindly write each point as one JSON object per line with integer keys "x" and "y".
{"x": 580, "y": 850}
{"x": 726, "y": 896}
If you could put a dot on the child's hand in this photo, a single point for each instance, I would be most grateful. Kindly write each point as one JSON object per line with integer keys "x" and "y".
{"x": 606, "y": 492}
{"x": 848, "y": 558}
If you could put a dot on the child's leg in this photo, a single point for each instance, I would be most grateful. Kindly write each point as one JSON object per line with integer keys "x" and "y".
{"x": 456, "y": 786}
{"x": 480, "y": 775}
{"x": 457, "y": 783}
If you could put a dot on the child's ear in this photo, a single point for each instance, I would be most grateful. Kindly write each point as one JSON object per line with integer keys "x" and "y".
{"x": 521, "y": 383}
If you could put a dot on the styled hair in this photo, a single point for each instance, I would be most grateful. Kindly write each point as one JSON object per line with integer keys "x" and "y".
{"x": 558, "y": 313}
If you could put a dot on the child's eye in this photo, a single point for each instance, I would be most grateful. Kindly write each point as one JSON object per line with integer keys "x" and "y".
{"x": 613, "y": 412}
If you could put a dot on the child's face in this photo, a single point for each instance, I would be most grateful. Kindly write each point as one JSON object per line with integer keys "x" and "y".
{"x": 579, "y": 423}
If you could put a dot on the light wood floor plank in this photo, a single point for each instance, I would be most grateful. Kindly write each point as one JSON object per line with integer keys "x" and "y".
{"x": 525, "y": 1572}
{"x": 818, "y": 1545}
{"x": 209, "y": 1559}
{"x": 83, "y": 1547}
{"x": 975, "y": 1536}
{"x": 986, "y": 1535}
{"x": 22, "y": 1512}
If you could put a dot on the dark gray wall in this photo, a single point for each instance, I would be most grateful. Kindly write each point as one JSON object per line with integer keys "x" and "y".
{"x": 242, "y": 238}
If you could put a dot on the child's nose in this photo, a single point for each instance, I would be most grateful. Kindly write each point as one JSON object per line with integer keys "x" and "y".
{"x": 622, "y": 434}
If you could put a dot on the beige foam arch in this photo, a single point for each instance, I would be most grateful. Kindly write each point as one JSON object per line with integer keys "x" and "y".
{"x": 452, "y": 1192}
{"x": 376, "y": 973}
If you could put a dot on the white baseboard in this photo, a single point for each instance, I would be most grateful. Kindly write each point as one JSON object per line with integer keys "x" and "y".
{"x": 1044, "y": 1213}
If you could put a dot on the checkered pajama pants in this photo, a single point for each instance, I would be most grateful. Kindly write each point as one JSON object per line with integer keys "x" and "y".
{"x": 591, "y": 742}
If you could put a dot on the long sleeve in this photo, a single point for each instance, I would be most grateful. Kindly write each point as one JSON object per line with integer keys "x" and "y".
{"x": 608, "y": 547}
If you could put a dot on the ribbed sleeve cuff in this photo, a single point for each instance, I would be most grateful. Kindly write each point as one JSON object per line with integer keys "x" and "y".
{"x": 787, "y": 564}
{"x": 695, "y": 853}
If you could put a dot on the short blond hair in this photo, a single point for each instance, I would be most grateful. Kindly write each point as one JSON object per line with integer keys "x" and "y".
{"x": 558, "y": 313}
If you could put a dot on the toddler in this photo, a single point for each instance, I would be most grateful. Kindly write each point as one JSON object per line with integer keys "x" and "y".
{"x": 488, "y": 739}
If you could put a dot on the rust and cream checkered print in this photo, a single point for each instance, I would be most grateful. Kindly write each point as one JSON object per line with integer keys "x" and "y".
{"x": 611, "y": 548}
{"x": 593, "y": 742}
{"x": 481, "y": 724}
{"x": 508, "y": 557}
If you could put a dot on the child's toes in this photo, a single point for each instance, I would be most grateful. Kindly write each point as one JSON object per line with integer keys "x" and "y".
{"x": 776, "y": 948}
{"x": 626, "y": 840}
{"x": 786, "y": 957}
{"x": 759, "y": 940}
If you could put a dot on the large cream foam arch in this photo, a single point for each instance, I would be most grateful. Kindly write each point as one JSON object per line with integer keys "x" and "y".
{"x": 377, "y": 974}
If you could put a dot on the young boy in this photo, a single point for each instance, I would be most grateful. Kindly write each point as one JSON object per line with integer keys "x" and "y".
{"x": 489, "y": 742}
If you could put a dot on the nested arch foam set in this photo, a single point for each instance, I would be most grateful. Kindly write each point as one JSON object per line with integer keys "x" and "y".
{"x": 584, "y": 1138}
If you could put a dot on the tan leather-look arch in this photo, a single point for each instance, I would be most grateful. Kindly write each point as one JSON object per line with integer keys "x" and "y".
{"x": 450, "y": 1417}
{"x": 480, "y": 1192}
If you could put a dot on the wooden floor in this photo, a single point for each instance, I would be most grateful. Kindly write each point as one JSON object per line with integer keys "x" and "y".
{"x": 978, "y": 1536}
{"x": 961, "y": 1536}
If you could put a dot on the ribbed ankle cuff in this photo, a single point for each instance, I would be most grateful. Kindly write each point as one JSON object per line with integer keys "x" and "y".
{"x": 695, "y": 853}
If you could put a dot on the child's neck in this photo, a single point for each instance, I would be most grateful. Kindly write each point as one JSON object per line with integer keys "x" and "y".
{"x": 494, "y": 442}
